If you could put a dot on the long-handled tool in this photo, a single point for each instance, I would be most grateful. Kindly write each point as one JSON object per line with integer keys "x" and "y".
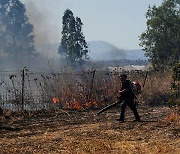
{"x": 110, "y": 106}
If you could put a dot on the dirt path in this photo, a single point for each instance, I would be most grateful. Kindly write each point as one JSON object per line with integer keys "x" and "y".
{"x": 84, "y": 132}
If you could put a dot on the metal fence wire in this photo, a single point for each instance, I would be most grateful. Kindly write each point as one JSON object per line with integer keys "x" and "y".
{"x": 34, "y": 91}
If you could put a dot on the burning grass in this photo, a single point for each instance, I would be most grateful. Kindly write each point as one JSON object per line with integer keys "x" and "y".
{"x": 99, "y": 89}
{"x": 79, "y": 91}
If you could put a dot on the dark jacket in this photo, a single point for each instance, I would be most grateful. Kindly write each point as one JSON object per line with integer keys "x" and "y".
{"x": 127, "y": 85}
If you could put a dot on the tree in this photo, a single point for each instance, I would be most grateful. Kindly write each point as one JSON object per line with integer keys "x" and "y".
{"x": 73, "y": 46}
{"x": 16, "y": 33}
{"x": 161, "y": 40}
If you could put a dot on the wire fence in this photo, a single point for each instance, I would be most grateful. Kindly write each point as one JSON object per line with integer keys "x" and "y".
{"x": 34, "y": 91}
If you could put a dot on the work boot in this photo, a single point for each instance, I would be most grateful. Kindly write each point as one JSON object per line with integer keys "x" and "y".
{"x": 120, "y": 120}
{"x": 137, "y": 120}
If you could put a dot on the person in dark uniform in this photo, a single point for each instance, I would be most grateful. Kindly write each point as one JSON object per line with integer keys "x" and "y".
{"x": 127, "y": 98}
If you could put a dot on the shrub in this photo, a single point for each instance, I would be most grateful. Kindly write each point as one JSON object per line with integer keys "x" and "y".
{"x": 174, "y": 99}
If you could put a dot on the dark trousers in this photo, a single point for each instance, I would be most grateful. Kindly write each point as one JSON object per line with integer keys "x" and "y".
{"x": 128, "y": 102}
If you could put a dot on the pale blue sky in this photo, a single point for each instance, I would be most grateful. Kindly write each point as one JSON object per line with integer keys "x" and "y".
{"x": 118, "y": 22}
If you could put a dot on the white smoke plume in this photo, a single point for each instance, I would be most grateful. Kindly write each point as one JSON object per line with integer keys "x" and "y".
{"x": 46, "y": 32}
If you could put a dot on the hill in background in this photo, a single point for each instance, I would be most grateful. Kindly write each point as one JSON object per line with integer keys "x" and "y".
{"x": 101, "y": 50}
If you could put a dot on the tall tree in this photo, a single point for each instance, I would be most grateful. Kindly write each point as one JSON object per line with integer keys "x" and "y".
{"x": 73, "y": 46}
{"x": 16, "y": 33}
{"x": 161, "y": 40}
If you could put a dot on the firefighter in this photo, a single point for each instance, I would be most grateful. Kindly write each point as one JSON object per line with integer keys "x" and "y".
{"x": 127, "y": 98}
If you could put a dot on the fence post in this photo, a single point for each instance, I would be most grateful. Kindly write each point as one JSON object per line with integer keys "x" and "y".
{"x": 22, "y": 97}
{"x": 92, "y": 83}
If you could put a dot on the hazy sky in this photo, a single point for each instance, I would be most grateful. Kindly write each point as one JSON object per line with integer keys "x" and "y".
{"x": 118, "y": 22}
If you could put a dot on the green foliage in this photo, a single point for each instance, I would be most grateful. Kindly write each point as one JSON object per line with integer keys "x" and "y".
{"x": 73, "y": 46}
{"x": 175, "y": 96}
{"x": 161, "y": 40}
{"x": 16, "y": 33}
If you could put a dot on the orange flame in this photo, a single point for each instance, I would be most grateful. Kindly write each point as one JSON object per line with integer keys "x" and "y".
{"x": 55, "y": 100}
{"x": 77, "y": 105}
{"x": 74, "y": 105}
{"x": 88, "y": 104}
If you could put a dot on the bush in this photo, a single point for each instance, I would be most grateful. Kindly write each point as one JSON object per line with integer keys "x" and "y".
{"x": 175, "y": 86}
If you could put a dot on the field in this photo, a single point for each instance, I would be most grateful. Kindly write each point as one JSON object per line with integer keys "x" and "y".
{"x": 85, "y": 132}
{"x": 76, "y": 128}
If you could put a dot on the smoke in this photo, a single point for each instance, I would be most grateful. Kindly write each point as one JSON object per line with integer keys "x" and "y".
{"x": 48, "y": 52}
{"x": 45, "y": 35}
{"x": 41, "y": 18}
{"x": 116, "y": 53}
{"x": 46, "y": 32}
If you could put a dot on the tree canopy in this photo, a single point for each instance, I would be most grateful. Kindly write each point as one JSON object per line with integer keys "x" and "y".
{"x": 16, "y": 33}
{"x": 161, "y": 40}
{"x": 73, "y": 46}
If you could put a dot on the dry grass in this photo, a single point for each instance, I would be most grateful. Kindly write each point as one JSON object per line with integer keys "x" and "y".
{"x": 157, "y": 88}
{"x": 173, "y": 116}
{"x": 103, "y": 88}
{"x": 73, "y": 132}
{"x": 84, "y": 133}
